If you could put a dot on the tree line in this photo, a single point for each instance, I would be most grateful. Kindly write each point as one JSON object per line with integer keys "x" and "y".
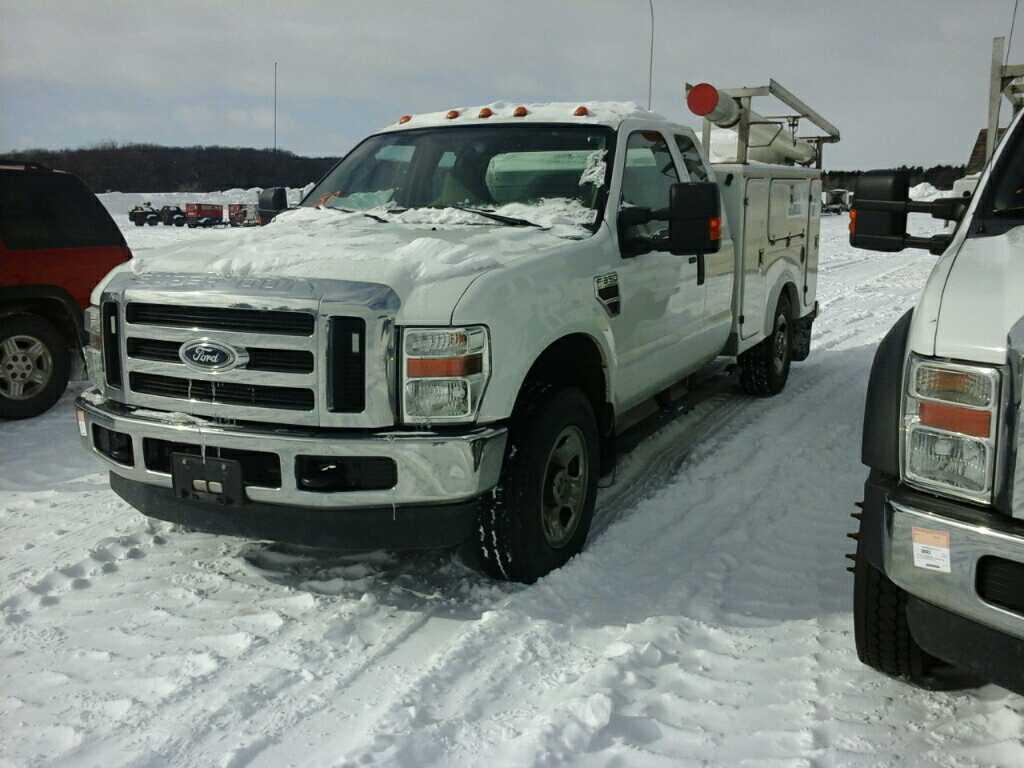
{"x": 116, "y": 167}
{"x": 939, "y": 176}
{"x": 154, "y": 168}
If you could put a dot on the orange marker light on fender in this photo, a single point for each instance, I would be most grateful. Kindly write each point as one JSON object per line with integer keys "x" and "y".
{"x": 956, "y": 418}
{"x": 404, "y": 119}
{"x": 443, "y": 367}
{"x": 452, "y": 114}
{"x": 581, "y": 111}
{"x": 853, "y": 221}
{"x": 520, "y": 112}
{"x": 486, "y": 112}
{"x": 715, "y": 228}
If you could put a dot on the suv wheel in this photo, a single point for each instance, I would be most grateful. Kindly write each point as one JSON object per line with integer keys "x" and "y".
{"x": 764, "y": 369}
{"x": 539, "y": 515}
{"x": 35, "y": 363}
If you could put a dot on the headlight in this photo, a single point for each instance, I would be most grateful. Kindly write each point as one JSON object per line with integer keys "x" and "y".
{"x": 950, "y": 420}
{"x": 444, "y": 373}
{"x": 93, "y": 326}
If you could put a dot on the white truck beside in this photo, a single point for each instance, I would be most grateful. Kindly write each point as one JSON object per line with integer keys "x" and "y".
{"x": 939, "y": 566}
{"x": 441, "y": 343}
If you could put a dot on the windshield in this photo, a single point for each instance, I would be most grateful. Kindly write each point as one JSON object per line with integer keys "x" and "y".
{"x": 515, "y": 171}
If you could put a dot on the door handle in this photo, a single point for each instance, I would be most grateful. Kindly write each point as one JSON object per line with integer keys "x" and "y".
{"x": 692, "y": 260}
{"x": 700, "y": 269}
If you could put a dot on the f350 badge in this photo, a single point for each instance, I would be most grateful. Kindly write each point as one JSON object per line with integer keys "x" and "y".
{"x": 606, "y": 288}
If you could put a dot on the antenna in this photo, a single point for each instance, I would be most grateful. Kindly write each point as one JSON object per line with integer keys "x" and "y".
{"x": 650, "y": 62}
{"x": 275, "y": 107}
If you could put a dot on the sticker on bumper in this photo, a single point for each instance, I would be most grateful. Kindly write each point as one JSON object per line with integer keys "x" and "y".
{"x": 931, "y": 549}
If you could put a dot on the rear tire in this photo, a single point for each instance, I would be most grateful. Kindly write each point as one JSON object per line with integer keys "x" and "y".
{"x": 764, "y": 369}
{"x": 35, "y": 363}
{"x": 539, "y": 515}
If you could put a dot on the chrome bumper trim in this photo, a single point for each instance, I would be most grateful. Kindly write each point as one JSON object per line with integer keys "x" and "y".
{"x": 955, "y": 591}
{"x": 432, "y": 467}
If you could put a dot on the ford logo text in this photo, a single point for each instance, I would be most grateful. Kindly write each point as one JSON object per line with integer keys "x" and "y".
{"x": 211, "y": 356}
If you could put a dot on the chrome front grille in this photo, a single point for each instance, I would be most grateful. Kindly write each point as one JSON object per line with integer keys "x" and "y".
{"x": 309, "y": 353}
{"x": 276, "y": 383}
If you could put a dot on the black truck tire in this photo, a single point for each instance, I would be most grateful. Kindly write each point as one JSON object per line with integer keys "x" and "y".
{"x": 35, "y": 363}
{"x": 882, "y": 634}
{"x": 765, "y": 368}
{"x": 539, "y": 515}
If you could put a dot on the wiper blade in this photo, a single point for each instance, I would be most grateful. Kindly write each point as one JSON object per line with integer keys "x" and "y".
{"x": 510, "y": 221}
{"x": 373, "y": 216}
{"x": 1014, "y": 210}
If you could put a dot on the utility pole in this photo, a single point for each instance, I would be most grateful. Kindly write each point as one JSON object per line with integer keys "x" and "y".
{"x": 275, "y": 108}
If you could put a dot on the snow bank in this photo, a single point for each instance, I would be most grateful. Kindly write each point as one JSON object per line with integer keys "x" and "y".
{"x": 119, "y": 203}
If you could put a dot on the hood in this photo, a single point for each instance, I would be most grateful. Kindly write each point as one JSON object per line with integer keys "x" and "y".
{"x": 982, "y": 299}
{"x": 428, "y": 258}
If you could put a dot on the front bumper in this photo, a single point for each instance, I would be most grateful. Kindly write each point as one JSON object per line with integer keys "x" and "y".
{"x": 432, "y": 468}
{"x": 947, "y": 613}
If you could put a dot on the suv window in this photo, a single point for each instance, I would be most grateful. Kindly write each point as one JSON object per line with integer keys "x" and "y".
{"x": 691, "y": 158}
{"x": 647, "y": 176}
{"x": 52, "y": 210}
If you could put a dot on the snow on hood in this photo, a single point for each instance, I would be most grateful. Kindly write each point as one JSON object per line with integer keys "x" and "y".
{"x": 415, "y": 248}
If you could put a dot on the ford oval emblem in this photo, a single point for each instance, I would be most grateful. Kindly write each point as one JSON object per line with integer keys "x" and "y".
{"x": 210, "y": 356}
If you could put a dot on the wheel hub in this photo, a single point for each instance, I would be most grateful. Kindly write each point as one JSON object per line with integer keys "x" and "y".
{"x": 565, "y": 487}
{"x": 26, "y": 366}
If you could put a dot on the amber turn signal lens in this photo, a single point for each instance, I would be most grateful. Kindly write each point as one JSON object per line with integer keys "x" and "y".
{"x": 955, "y": 418}
{"x": 443, "y": 367}
{"x": 853, "y": 221}
{"x": 715, "y": 228}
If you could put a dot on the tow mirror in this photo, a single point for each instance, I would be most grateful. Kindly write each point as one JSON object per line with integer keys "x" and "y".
{"x": 272, "y": 201}
{"x": 878, "y": 219}
{"x": 694, "y": 218}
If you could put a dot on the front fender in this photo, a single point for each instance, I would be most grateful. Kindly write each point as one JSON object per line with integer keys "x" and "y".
{"x": 880, "y": 444}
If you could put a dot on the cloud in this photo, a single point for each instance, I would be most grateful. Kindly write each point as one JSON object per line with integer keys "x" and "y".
{"x": 905, "y": 82}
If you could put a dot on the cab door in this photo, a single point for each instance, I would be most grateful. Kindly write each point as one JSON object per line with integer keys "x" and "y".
{"x": 662, "y": 302}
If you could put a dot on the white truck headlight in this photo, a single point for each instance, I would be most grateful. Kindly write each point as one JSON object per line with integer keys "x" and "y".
{"x": 950, "y": 421}
{"x": 93, "y": 326}
{"x": 444, "y": 373}
{"x": 93, "y": 352}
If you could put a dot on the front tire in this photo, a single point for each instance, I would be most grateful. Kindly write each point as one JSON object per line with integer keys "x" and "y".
{"x": 35, "y": 363}
{"x": 764, "y": 369}
{"x": 539, "y": 515}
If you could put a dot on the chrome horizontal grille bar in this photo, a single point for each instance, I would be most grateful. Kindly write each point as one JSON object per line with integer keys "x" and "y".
{"x": 226, "y": 393}
{"x": 260, "y": 358}
{"x": 220, "y": 319}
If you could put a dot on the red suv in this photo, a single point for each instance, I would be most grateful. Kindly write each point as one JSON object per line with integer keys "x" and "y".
{"x": 57, "y": 241}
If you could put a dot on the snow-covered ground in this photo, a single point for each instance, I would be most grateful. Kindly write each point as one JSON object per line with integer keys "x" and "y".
{"x": 708, "y": 622}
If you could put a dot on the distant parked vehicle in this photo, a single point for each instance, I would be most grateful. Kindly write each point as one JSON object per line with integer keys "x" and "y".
{"x": 57, "y": 241}
{"x": 836, "y": 201}
{"x": 172, "y": 214}
{"x": 144, "y": 214}
{"x": 203, "y": 214}
{"x": 243, "y": 215}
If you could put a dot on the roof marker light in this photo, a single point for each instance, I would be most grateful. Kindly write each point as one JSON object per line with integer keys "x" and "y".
{"x": 452, "y": 114}
{"x": 486, "y": 112}
{"x": 404, "y": 119}
{"x": 581, "y": 111}
{"x": 519, "y": 111}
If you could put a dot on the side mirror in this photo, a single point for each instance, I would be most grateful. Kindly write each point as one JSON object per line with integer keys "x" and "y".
{"x": 879, "y": 230}
{"x": 272, "y": 201}
{"x": 878, "y": 218}
{"x": 694, "y": 218}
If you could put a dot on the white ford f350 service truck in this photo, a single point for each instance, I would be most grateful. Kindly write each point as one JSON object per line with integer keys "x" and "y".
{"x": 939, "y": 567}
{"x": 439, "y": 345}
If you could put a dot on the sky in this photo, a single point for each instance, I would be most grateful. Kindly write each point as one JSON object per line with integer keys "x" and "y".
{"x": 906, "y": 81}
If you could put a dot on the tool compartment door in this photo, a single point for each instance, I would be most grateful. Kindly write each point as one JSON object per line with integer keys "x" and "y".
{"x": 813, "y": 237}
{"x": 755, "y": 242}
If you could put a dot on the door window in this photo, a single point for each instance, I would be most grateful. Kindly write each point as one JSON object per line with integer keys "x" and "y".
{"x": 52, "y": 210}
{"x": 691, "y": 158}
{"x": 647, "y": 176}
